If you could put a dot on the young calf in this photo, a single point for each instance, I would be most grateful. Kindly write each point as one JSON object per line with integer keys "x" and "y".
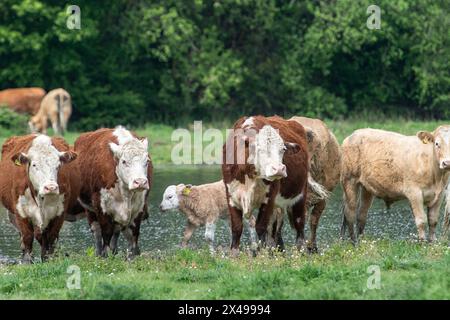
{"x": 202, "y": 205}
{"x": 116, "y": 172}
{"x": 39, "y": 183}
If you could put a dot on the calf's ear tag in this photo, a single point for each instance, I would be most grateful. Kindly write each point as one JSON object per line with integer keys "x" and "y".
{"x": 186, "y": 191}
{"x": 17, "y": 162}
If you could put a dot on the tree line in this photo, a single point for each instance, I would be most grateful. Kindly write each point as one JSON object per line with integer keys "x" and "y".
{"x": 170, "y": 61}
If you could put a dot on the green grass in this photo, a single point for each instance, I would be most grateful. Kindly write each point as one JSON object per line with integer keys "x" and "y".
{"x": 161, "y": 144}
{"x": 408, "y": 270}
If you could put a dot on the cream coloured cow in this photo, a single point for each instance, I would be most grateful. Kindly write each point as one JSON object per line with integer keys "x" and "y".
{"x": 392, "y": 167}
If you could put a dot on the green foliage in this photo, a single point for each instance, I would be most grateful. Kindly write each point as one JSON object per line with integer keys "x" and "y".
{"x": 174, "y": 61}
{"x": 12, "y": 122}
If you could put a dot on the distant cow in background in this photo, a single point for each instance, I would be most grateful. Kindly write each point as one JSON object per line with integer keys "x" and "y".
{"x": 116, "y": 172}
{"x": 39, "y": 183}
{"x": 22, "y": 100}
{"x": 56, "y": 107}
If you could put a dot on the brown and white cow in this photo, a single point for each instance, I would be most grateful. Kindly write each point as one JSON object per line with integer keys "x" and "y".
{"x": 265, "y": 165}
{"x": 39, "y": 183}
{"x": 116, "y": 173}
{"x": 22, "y": 100}
{"x": 392, "y": 167}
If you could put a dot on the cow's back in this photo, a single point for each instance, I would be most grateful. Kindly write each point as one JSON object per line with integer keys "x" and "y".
{"x": 97, "y": 164}
{"x": 387, "y": 163}
{"x": 325, "y": 152}
{"x": 22, "y": 100}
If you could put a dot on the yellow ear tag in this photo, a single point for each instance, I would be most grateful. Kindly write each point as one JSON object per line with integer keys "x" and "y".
{"x": 186, "y": 191}
{"x": 17, "y": 162}
{"x": 425, "y": 141}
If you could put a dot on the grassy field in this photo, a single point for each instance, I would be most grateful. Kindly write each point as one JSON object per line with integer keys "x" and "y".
{"x": 407, "y": 270}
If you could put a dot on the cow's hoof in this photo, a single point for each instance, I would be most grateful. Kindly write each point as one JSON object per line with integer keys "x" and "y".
{"x": 235, "y": 253}
{"x": 27, "y": 259}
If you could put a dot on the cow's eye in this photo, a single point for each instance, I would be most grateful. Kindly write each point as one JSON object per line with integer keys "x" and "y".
{"x": 170, "y": 197}
{"x": 34, "y": 165}
{"x": 437, "y": 144}
{"x": 124, "y": 162}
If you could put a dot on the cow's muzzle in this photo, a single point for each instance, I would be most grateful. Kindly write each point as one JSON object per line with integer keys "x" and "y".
{"x": 50, "y": 188}
{"x": 277, "y": 172}
{"x": 139, "y": 184}
{"x": 445, "y": 164}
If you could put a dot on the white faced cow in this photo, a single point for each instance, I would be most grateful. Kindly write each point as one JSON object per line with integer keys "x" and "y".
{"x": 116, "y": 178}
{"x": 37, "y": 186}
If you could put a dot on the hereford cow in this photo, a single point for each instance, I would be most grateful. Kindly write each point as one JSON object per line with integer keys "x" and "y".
{"x": 38, "y": 184}
{"x": 265, "y": 165}
{"x": 392, "y": 167}
{"x": 56, "y": 107}
{"x": 22, "y": 100}
{"x": 116, "y": 172}
{"x": 325, "y": 162}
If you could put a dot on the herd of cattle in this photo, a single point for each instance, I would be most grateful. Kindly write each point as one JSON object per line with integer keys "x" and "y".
{"x": 289, "y": 167}
{"x": 54, "y": 106}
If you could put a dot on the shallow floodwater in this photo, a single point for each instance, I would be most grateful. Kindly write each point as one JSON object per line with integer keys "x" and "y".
{"x": 163, "y": 231}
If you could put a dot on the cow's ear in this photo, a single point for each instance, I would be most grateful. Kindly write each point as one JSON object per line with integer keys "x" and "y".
{"x": 425, "y": 136}
{"x": 68, "y": 156}
{"x": 145, "y": 143}
{"x": 20, "y": 159}
{"x": 186, "y": 190}
{"x": 115, "y": 149}
{"x": 292, "y": 148}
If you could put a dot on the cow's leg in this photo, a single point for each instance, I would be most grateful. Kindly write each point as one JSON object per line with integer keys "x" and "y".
{"x": 52, "y": 232}
{"x": 364, "y": 206}
{"x": 266, "y": 212}
{"x": 98, "y": 239}
{"x": 188, "y": 231}
{"x": 236, "y": 228}
{"x": 115, "y": 239}
{"x": 433, "y": 217}
{"x": 298, "y": 220}
{"x": 26, "y": 239}
{"x": 131, "y": 234}
{"x": 416, "y": 201}
{"x": 278, "y": 237}
{"x": 107, "y": 233}
{"x": 446, "y": 224}
{"x": 316, "y": 213}
{"x": 250, "y": 225}
{"x": 350, "y": 203}
{"x": 210, "y": 230}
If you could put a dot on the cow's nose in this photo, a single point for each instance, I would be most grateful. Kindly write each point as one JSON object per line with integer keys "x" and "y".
{"x": 51, "y": 188}
{"x": 140, "y": 183}
{"x": 279, "y": 170}
{"x": 446, "y": 164}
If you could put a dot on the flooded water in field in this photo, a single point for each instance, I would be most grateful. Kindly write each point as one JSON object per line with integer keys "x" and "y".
{"x": 163, "y": 231}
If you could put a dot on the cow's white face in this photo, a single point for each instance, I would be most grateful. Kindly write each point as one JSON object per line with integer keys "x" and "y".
{"x": 441, "y": 141}
{"x": 267, "y": 154}
{"x": 170, "y": 198}
{"x": 43, "y": 161}
{"x": 132, "y": 163}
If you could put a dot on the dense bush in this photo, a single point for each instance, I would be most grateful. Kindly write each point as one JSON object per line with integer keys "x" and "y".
{"x": 172, "y": 61}
{"x": 12, "y": 122}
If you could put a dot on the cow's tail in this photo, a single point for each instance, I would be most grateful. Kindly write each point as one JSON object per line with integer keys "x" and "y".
{"x": 59, "y": 118}
{"x": 318, "y": 191}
